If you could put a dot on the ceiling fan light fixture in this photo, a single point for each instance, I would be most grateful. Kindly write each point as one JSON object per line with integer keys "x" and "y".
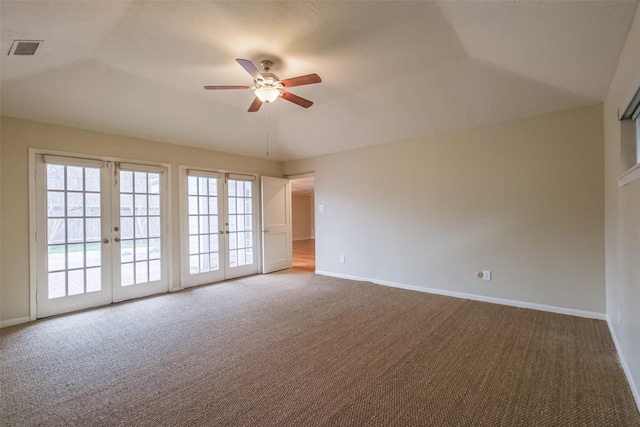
{"x": 267, "y": 93}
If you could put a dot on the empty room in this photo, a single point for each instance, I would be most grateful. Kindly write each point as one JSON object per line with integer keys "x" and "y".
{"x": 319, "y": 213}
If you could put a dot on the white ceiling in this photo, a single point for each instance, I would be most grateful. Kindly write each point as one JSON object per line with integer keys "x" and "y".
{"x": 391, "y": 70}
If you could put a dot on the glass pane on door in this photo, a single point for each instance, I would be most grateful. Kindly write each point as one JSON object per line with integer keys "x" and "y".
{"x": 140, "y": 227}
{"x": 204, "y": 247}
{"x": 240, "y": 220}
{"x": 73, "y": 222}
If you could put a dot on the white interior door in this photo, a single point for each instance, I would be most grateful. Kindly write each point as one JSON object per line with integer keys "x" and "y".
{"x": 100, "y": 228}
{"x": 276, "y": 224}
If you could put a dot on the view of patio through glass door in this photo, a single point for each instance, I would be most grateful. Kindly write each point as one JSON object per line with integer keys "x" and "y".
{"x": 73, "y": 215}
{"x": 240, "y": 222}
{"x": 140, "y": 246}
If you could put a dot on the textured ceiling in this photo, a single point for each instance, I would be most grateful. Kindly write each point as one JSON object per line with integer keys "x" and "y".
{"x": 391, "y": 70}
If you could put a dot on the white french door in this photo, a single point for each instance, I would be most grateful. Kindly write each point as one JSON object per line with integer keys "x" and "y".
{"x": 98, "y": 233}
{"x": 203, "y": 256}
{"x": 219, "y": 217}
{"x": 240, "y": 224}
{"x": 137, "y": 233}
{"x": 73, "y": 261}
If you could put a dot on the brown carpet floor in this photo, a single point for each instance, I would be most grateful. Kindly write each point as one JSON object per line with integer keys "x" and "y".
{"x": 296, "y": 349}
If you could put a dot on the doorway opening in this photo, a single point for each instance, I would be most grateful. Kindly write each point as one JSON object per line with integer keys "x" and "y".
{"x": 303, "y": 223}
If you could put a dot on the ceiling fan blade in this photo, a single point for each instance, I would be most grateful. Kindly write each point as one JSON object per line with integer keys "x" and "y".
{"x": 251, "y": 69}
{"x": 255, "y": 105}
{"x": 226, "y": 87}
{"x": 296, "y": 99}
{"x": 301, "y": 80}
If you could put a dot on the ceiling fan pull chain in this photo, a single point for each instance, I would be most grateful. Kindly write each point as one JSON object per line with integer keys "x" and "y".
{"x": 268, "y": 128}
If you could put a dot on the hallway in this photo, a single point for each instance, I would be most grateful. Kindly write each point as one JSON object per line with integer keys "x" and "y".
{"x": 304, "y": 255}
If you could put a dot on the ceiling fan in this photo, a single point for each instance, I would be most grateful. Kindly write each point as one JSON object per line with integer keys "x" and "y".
{"x": 268, "y": 87}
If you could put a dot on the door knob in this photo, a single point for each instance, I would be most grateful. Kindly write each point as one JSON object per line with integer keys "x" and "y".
{"x": 227, "y": 231}
{"x": 117, "y": 239}
{"x": 221, "y": 232}
{"x": 105, "y": 241}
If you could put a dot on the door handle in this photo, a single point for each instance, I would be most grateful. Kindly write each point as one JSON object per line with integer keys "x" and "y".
{"x": 221, "y": 232}
{"x": 227, "y": 231}
{"x": 105, "y": 241}
{"x": 117, "y": 239}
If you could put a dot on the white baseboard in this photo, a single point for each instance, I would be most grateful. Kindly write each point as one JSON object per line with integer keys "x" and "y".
{"x": 502, "y": 301}
{"x": 12, "y": 322}
{"x": 625, "y": 367}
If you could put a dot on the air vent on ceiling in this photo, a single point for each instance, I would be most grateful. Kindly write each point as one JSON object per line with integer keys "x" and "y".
{"x": 24, "y": 47}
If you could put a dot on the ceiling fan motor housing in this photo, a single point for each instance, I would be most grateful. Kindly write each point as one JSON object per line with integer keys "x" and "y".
{"x": 266, "y": 65}
{"x": 270, "y": 78}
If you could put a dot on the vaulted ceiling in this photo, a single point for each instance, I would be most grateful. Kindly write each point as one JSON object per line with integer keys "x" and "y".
{"x": 391, "y": 70}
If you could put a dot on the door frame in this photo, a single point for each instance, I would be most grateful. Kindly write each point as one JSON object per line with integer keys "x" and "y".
{"x": 34, "y": 206}
{"x": 313, "y": 207}
{"x": 307, "y": 175}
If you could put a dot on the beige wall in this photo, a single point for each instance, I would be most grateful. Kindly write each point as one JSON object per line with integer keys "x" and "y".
{"x": 1, "y": 224}
{"x": 20, "y": 135}
{"x": 523, "y": 199}
{"x": 302, "y": 216}
{"x": 622, "y": 216}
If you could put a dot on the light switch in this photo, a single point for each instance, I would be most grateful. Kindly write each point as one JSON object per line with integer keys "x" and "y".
{"x": 321, "y": 208}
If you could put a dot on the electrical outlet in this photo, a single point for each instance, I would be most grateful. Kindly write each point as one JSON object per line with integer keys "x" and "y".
{"x": 342, "y": 258}
{"x": 486, "y": 275}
